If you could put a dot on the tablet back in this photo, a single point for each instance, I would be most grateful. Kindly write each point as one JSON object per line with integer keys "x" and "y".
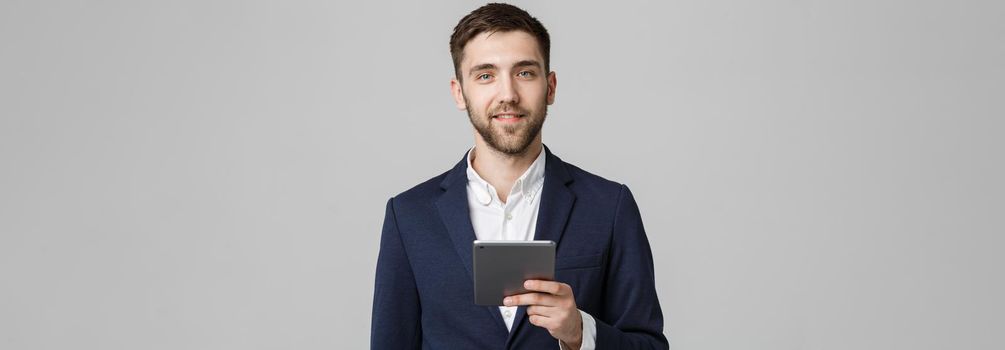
{"x": 500, "y": 267}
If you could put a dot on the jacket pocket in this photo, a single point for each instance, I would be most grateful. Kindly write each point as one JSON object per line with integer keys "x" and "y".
{"x": 578, "y": 261}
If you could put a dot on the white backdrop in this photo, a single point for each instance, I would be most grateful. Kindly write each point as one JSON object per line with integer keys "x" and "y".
{"x": 212, "y": 174}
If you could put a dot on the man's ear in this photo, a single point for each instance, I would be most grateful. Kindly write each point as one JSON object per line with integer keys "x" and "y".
{"x": 552, "y": 83}
{"x": 458, "y": 93}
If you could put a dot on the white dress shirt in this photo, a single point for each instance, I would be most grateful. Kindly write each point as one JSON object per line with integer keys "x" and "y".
{"x": 514, "y": 220}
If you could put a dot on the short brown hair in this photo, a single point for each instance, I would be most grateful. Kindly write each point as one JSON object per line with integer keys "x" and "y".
{"x": 497, "y": 17}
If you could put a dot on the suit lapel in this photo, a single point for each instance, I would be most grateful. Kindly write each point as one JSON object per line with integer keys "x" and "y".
{"x": 556, "y": 205}
{"x": 453, "y": 209}
{"x": 556, "y": 201}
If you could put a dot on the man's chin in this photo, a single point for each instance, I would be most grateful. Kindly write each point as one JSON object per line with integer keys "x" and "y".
{"x": 511, "y": 148}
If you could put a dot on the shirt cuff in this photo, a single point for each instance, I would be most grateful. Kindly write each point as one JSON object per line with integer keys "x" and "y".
{"x": 589, "y": 333}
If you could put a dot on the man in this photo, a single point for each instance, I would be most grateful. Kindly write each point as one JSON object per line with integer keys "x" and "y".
{"x": 509, "y": 186}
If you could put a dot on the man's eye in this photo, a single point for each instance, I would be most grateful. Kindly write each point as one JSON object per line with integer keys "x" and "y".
{"x": 484, "y": 76}
{"x": 526, "y": 74}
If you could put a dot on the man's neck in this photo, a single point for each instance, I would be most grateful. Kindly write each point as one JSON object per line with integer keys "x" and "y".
{"x": 501, "y": 170}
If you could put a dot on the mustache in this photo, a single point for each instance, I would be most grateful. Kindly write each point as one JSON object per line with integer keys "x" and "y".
{"x": 507, "y": 108}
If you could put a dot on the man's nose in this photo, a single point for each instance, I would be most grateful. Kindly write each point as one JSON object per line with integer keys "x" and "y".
{"x": 507, "y": 91}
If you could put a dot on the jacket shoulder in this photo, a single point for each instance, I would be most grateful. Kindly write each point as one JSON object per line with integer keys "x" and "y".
{"x": 422, "y": 192}
{"x": 589, "y": 183}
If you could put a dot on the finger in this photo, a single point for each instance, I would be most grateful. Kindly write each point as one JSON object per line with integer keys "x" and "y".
{"x": 541, "y": 321}
{"x": 530, "y": 299}
{"x": 550, "y": 287}
{"x": 545, "y": 311}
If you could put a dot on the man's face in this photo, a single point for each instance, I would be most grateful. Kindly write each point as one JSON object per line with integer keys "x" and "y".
{"x": 505, "y": 89}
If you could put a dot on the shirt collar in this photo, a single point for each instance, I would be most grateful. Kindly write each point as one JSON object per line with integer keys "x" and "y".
{"x": 528, "y": 183}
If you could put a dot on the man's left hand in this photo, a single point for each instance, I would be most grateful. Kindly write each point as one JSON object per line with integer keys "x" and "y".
{"x": 552, "y": 306}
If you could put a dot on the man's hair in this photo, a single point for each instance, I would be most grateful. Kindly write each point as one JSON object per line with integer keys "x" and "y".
{"x": 497, "y": 17}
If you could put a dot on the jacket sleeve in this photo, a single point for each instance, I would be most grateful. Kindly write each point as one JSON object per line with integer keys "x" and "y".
{"x": 631, "y": 316}
{"x": 396, "y": 312}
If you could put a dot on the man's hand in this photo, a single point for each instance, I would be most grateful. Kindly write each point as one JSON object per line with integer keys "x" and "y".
{"x": 552, "y": 306}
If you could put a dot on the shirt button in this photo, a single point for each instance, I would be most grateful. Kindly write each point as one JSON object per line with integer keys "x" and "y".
{"x": 508, "y": 313}
{"x": 509, "y": 216}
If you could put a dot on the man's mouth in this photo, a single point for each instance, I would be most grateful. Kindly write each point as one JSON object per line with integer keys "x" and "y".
{"x": 508, "y": 117}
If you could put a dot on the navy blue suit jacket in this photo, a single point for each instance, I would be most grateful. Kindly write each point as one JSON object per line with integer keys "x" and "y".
{"x": 424, "y": 297}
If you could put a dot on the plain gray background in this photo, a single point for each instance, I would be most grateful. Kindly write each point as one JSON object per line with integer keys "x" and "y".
{"x": 213, "y": 174}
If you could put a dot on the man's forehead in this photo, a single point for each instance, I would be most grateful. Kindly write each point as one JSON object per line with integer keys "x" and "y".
{"x": 501, "y": 48}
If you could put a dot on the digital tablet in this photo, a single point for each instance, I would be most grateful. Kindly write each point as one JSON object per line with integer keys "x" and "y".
{"x": 501, "y": 267}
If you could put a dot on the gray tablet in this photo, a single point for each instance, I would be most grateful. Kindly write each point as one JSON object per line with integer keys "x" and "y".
{"x": 500, "y": 267}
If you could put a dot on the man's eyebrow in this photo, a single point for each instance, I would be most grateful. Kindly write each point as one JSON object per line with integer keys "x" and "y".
{"x": 527, "y": 63}
{"x": 481, "y": 67}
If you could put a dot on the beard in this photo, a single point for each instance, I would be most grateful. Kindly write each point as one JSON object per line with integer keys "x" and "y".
{"x": 510, "y": 138}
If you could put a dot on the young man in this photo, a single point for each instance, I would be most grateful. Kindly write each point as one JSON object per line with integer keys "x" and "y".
{"x": 509, "y": 186}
